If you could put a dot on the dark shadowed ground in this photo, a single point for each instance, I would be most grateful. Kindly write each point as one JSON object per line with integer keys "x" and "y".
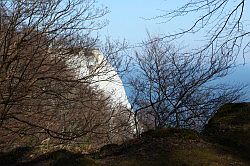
{"x": 224, "y": 141}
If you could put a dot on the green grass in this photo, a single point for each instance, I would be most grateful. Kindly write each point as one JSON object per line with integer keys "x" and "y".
{"x": 230, "y": 127}
{"x": 200, "y": 156}
{"x": 189, "y": 157}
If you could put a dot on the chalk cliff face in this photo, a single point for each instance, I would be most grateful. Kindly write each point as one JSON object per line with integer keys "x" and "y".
{"x": 104, "y": 77}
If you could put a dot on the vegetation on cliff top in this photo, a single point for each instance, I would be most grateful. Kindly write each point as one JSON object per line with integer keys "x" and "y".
{"x": 166, "y": 146}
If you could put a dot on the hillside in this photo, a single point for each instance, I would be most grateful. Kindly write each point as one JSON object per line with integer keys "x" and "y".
{"x": 224, "y": 141}
{"x": 170, "y": 147}
{"x": 231, "y": 127}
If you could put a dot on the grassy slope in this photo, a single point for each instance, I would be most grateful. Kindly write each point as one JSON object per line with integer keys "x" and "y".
{"x": 225, "y": 141}
{"x": 231, "y": 127}
{"x": 172, "y": 147}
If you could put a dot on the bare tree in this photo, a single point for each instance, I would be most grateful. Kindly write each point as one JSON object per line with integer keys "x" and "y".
{"x": 42, "y": 89}
{"x": 224, "y": 23}
{"x": 174, "y": 88}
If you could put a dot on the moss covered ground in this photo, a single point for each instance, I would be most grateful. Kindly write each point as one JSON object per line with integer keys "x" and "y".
{"x": 224, "y": 141}
{"x": 230, "y": 127}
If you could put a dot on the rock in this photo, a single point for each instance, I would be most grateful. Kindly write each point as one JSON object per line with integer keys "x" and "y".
{"x": 230, "y": 127}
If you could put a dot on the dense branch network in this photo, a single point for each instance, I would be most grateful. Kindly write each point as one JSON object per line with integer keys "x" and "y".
{"x": 172, "y": 88}
{"x": 222, "y": 20}
{"x": 43, "y": 90}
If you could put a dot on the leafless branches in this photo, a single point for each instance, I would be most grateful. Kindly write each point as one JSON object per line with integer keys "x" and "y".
{"x": 178, "y": 89}
{"x": 223, "y": 22}
{"x": 42, "y": 88}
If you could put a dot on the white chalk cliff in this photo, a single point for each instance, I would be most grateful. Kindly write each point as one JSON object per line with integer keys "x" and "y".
{"x": 104, "y": 77}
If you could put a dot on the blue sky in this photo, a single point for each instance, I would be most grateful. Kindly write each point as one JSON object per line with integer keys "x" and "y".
{"x": 126, "y": 22}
